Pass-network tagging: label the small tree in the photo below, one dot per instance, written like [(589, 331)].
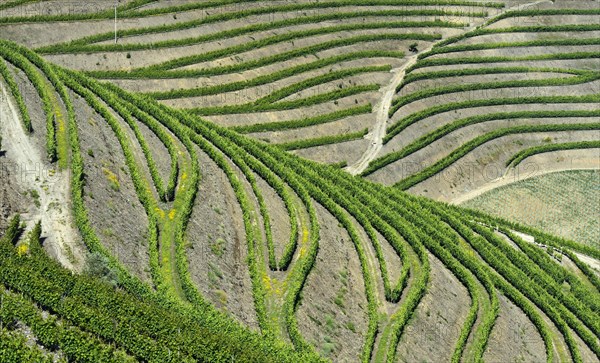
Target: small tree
[(413, 48), (97, 265)]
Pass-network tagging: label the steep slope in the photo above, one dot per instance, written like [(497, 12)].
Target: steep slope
[(184, 212), (480, 252)]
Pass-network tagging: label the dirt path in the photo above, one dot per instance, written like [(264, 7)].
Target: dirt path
[(590, 261), (383, 108), (52, 186), (527, 5), (513, 175)]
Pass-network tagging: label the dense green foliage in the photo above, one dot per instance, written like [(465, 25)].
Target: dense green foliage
[(216, 320), (137, 322)]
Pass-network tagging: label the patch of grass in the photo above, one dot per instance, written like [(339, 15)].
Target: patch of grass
[(113, 179), (222, 297), (214, 275), (328, 346), (339, 298), (69, 253), (344, 276), (217, 247), (108, 232), (350, 326), (36, 197), (329, 323)]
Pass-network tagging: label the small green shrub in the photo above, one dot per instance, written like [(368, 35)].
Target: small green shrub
[(97, 265), (36, 197), (218, 247)]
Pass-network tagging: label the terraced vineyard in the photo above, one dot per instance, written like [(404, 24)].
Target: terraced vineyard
[(475, 102), (160, 202)]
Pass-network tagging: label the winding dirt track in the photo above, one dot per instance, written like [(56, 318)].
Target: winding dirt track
[(383, 108), (52, 186)]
